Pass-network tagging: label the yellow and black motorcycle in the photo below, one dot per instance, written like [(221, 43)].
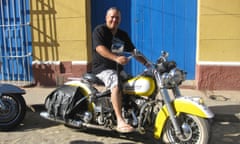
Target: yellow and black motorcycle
[(151, 102)]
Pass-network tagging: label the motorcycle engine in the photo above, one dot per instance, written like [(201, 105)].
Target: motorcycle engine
[(104, 111), (131, 108), (140, 102), (104, 104)]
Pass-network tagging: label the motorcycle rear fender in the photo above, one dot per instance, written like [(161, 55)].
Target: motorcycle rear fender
[(11, 89), (188, 105), (86, 91)]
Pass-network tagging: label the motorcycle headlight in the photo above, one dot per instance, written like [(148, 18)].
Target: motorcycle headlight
[(174, 77)]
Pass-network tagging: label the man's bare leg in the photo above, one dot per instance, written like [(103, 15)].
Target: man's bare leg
[(116, 98)]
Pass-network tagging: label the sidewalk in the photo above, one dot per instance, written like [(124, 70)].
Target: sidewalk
[(224, 104)]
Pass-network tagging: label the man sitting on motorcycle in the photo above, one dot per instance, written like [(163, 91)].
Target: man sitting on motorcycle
[(106, 63)]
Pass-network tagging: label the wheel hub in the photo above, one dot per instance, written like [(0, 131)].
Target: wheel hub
[(9, 112), (186, 132)]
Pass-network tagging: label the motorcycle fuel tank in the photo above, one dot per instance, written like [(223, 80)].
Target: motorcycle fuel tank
[(141, 85)]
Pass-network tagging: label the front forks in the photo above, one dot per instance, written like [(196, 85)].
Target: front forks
[(172, 113)]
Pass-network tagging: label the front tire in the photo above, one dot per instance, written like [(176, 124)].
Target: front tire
[(195, 130), (14, 113)]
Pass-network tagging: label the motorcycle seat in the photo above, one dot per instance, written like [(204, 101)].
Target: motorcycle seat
[(92, 79)]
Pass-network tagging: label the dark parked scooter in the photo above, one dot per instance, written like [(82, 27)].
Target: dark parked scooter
[(12, 106)]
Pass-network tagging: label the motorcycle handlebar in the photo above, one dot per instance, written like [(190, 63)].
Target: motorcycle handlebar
[(137, 53)]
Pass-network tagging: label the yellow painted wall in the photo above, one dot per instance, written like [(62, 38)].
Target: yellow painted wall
[(219, 31), (61, 30)]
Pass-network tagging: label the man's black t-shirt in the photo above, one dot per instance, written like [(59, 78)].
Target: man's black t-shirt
[(103, 36)]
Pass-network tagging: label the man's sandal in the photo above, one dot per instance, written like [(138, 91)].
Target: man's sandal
[(125, 129)]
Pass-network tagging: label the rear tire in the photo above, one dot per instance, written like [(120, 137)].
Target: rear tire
[(196, 130), (14, 113)]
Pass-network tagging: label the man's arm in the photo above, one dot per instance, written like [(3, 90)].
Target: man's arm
[(103, 51), (142, 60)]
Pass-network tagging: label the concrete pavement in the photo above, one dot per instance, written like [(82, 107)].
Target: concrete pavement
[(224, 104)]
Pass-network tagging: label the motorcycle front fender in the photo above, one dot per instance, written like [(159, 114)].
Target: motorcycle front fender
[(188, 105), (11, 89)]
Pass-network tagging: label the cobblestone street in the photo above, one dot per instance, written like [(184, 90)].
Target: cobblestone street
[(36, 130)]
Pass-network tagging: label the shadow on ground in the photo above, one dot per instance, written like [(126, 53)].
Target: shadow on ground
[(225, 127), (225, 133), (33, 120), (135, 136), (226, 113), (85, 142)]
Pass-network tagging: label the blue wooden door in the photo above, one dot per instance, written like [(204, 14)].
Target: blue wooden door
[(168, 25), (15, 41), (156, 25)]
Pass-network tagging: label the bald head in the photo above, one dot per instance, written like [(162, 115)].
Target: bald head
[(113, 9), (113, 18)]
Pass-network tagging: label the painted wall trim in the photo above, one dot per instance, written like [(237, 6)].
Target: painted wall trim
[(219, 63), (79, 62), (58, 62)]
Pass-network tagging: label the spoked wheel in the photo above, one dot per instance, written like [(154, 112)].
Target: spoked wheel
[(195, 130), (13, 112)]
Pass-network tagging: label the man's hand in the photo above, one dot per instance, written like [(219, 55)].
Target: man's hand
[(147, 65), (122, 60)]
